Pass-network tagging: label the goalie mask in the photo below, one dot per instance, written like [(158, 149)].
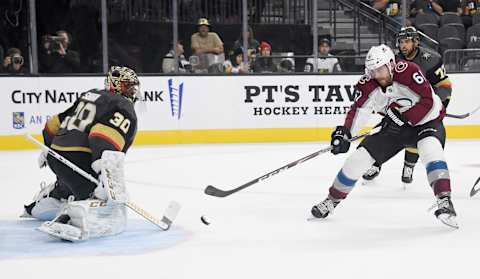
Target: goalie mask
[(123, 81)]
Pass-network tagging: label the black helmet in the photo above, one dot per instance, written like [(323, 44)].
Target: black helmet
[(408, 32)]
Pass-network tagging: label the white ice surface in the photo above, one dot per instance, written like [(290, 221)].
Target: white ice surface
[(380, 231)]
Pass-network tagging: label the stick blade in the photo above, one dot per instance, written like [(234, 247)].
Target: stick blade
[(170, 214), (475, 189), (213, 191)]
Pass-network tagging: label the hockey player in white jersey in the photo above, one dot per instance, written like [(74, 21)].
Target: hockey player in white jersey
[(413, 116)]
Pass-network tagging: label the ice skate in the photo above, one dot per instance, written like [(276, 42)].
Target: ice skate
[(407, 173), (323, 209), (372, 173), (446, 213)]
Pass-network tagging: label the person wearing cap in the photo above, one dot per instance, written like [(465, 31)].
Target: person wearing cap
[(326, 63), (204, 41), (264, 63)]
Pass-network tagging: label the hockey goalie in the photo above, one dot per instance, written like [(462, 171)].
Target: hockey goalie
[(94, 134)]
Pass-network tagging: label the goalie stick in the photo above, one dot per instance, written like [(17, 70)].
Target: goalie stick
[(462, 116), (170, 213), (474, 188), (216, 192)]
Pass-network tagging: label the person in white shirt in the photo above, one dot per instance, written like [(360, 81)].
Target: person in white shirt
[(326, 63), (168, 63)]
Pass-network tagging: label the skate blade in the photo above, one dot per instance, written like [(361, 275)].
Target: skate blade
[(315, 219), (448, 220)]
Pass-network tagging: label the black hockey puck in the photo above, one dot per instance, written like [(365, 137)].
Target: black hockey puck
[(204, 220)]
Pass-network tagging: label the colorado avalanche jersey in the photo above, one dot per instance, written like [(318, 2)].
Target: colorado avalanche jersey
[(410, 93)]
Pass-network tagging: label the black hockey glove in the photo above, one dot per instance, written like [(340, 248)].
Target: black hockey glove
[(393, 123), (446, 102), (340, 138)]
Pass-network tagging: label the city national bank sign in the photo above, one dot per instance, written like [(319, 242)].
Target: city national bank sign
[(33, 108)]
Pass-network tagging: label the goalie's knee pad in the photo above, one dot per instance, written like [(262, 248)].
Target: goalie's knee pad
[(111, 175), (95, 218)]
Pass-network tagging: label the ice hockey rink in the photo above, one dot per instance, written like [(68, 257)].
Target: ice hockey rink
[(381, 231)]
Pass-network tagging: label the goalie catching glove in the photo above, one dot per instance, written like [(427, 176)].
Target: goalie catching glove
[(111, 176)]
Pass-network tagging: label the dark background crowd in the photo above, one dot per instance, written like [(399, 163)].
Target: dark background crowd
[(69, 36)]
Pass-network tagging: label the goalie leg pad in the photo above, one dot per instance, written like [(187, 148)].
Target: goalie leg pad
[(43, 206), (88, 219), (111, 170), (46, 209)]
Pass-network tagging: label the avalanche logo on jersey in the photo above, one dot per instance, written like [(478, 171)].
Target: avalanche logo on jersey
[(176, 97), (18, 121)]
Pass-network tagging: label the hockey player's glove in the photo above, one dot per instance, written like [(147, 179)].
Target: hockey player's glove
[(393, 122), (446, 102), (42, 159), (340, 138)]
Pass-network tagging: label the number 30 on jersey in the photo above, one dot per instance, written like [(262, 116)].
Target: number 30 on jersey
[(120, 121)]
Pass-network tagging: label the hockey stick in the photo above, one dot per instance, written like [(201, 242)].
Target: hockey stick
[(167, 219), (213, 191), (474, 191), (462, 116)]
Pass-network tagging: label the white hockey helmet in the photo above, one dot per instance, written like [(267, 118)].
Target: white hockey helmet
[(378, 56)]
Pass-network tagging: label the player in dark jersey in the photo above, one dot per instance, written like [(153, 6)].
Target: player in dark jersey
[(431, 63), (412, 117), (97, 122)]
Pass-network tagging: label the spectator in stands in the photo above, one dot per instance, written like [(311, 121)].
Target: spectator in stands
[(325, 62), (252, 44), (13, 62), (264, 63), (469, 8), (204, 41), (425, 7), (450, 6), (56, 57), (286, 65), (388, 7), (168, 64), (236, 65)]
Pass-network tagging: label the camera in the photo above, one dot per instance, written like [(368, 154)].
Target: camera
[(17, 60), (53, 42)]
